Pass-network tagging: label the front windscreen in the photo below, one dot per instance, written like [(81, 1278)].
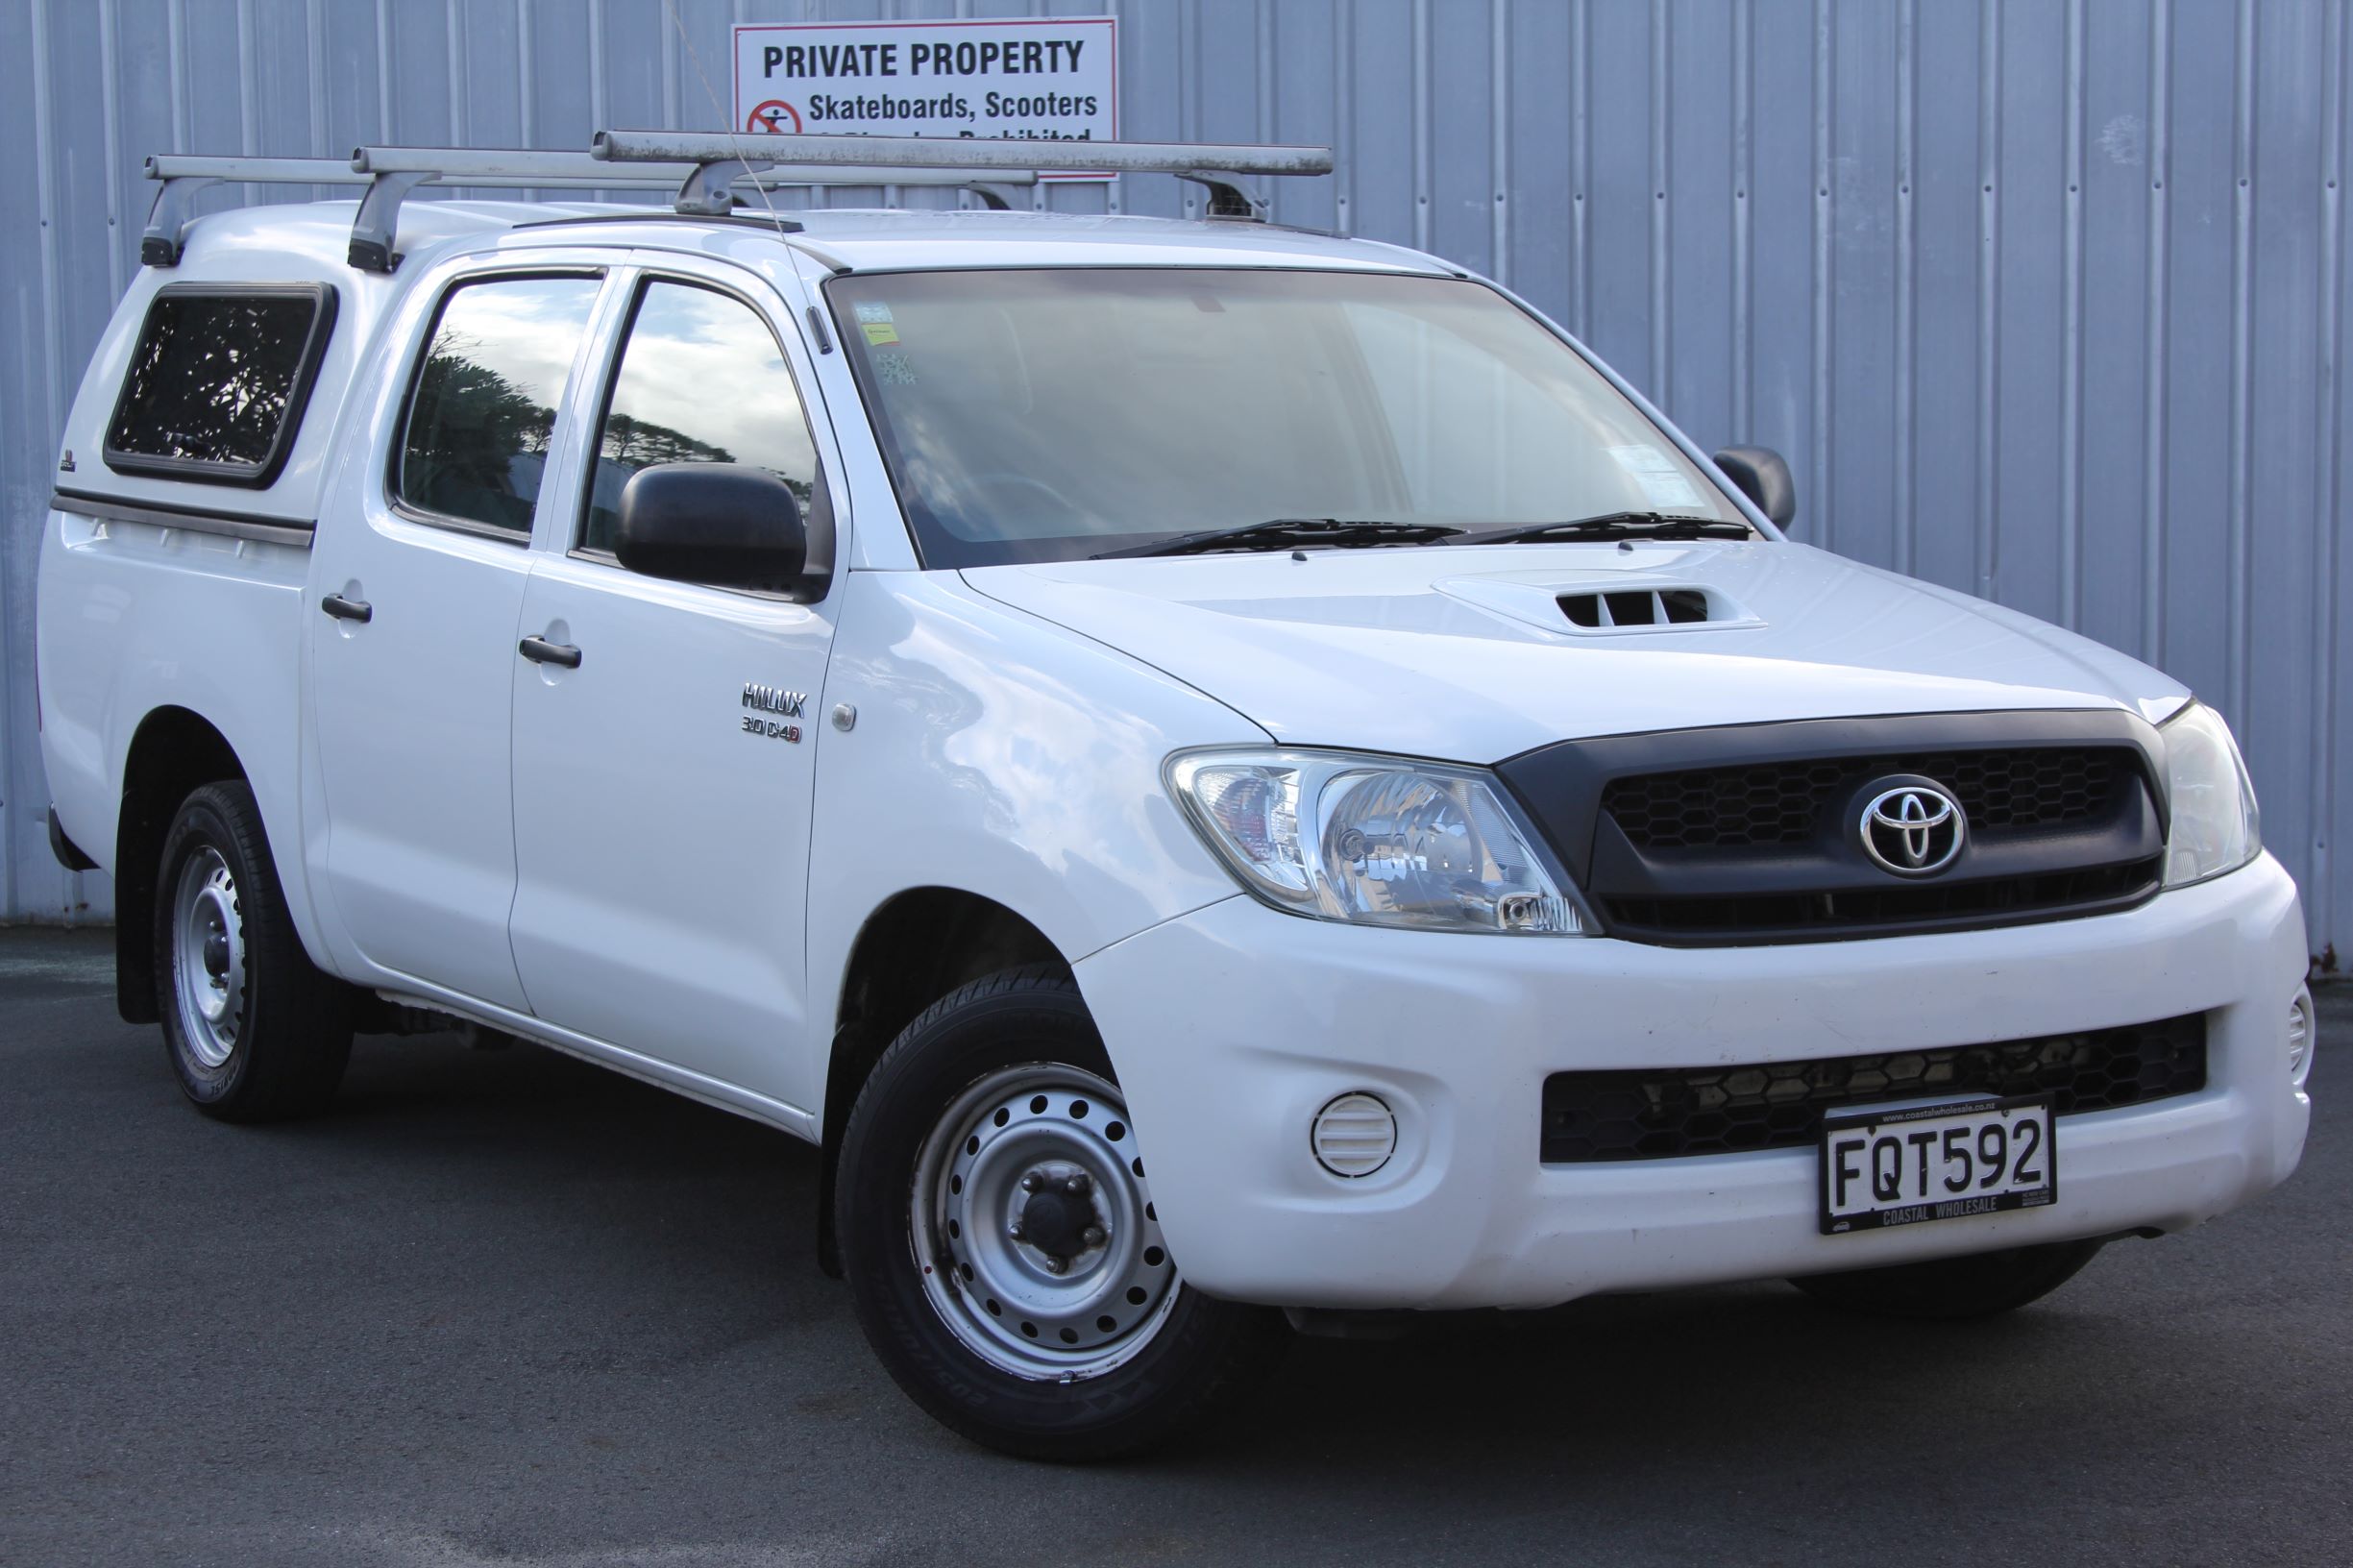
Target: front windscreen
[(1054, 414)]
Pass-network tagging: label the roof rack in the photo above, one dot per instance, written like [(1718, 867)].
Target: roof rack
[(391, 173), (1219, 168), (704, 166)]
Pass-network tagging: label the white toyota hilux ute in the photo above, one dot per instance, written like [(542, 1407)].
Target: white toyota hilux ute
[(1219, 773)]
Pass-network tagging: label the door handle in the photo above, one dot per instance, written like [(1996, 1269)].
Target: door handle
[(540, 650), (348, 609)]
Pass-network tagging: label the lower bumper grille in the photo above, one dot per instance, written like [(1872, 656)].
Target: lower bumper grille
[(1658, 1114)]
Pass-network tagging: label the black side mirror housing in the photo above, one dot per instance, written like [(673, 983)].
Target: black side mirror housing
[(1759, 474), (724, 525)]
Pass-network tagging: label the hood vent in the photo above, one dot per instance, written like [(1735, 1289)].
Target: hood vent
[(1632, 607), (1591, 604)]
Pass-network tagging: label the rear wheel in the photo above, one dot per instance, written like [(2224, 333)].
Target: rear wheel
[(997, 1229), (254, 1030), (1951, 1289)]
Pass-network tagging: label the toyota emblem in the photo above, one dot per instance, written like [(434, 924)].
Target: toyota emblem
[(1912, 828)]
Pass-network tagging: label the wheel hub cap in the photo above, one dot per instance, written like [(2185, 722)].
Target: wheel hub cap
[(1058, 1218), (208, 957), (1035, 1228)]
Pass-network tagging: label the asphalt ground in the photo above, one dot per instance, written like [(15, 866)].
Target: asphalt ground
[(503, 1307)]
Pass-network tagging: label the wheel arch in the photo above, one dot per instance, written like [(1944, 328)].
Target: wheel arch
[(912, 949), (173, 751)]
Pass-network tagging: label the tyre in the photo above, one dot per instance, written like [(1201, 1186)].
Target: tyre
[(1951, 1289), (996, 1227), (254, 1030)]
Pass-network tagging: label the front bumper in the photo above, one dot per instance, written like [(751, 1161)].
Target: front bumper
[(1230, 1027)]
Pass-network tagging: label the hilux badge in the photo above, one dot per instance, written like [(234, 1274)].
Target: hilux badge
[(1913, 828), (775, 700)]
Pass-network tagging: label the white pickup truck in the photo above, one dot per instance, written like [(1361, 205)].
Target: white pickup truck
[(1219, 773)]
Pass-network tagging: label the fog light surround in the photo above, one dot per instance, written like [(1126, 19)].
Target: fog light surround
[(1353, 1134)]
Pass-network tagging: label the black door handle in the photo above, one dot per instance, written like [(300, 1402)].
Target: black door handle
[(540, 650), (348, 609)]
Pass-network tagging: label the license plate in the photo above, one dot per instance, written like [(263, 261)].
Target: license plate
[(1937, 1162)]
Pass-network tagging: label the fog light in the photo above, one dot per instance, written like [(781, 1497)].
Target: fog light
[(2299, 1038), (1353, 1134)]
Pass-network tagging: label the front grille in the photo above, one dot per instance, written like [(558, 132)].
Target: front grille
[(1789, 802), (1658, 1114), (1751, 834), (1883, 909)]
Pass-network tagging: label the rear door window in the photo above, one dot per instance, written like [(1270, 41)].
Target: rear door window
[(481, 414), (218, 381)]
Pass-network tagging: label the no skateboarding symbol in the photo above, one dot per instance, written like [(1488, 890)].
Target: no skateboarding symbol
[(773, 116)]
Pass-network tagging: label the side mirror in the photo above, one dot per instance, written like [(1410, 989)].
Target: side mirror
[(725, 525), (1759, 474)]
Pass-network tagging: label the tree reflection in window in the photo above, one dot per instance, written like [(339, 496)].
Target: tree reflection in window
[(701, 381), (212, 381), (484, 409)]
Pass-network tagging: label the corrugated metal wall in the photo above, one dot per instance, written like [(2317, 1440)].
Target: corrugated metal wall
[(2045, 299)]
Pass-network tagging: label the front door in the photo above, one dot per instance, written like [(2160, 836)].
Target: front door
[(415, 601), (663, 783)]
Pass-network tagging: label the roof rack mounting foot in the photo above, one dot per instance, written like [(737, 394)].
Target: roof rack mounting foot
[(167, 221), (379, 220), (705, 194), (1228, 196), (995, 197)]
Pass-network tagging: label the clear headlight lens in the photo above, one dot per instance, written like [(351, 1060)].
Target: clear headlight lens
[(1340, 836), (2216, 828)]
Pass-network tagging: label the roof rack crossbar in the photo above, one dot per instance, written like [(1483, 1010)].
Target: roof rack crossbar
[(1218, 168), (532, 168), (957, 153)]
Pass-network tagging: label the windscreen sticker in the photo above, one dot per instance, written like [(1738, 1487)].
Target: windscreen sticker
[(874, 312), (891, 369), (878, 332), (1663, 483)]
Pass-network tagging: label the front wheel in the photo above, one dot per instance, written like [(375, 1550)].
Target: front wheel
[(1951, 1289), (997, 1229)]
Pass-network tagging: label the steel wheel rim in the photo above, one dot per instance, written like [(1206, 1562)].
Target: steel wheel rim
[(989, 1277), (208, 957)]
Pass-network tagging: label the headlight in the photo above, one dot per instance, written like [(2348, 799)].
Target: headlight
[(2215, 827), (1374, 840)]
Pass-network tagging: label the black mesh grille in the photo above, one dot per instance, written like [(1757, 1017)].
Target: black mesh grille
[(1659, 1114), (1885, 908), (1788, 802)]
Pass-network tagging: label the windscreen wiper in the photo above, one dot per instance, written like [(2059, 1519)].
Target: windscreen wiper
[(1283, 532), (1613, 525)]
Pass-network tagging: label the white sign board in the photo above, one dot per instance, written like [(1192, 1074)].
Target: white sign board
[(1034, 79)]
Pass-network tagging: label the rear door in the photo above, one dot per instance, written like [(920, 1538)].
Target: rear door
[(663, 785), (416, 601)]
